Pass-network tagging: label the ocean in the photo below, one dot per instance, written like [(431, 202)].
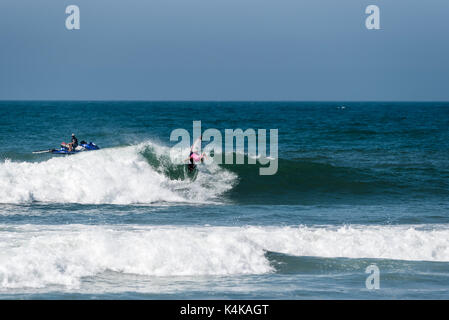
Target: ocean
[(359, 184)]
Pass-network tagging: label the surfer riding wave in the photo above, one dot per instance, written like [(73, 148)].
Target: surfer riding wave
[(194, 156)]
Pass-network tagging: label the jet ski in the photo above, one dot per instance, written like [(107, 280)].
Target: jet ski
[(64, 148), (83, 146)]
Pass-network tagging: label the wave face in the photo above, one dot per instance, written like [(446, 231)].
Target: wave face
[(37, 256), (298, 181), (126, 175), (145, 173), (305, 181)]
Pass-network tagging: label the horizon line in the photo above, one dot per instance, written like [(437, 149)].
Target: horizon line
[(212, 100)]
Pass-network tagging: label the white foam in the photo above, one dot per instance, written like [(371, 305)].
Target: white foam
[(108, 176), (34, 256), (37, 256), (386, 242)]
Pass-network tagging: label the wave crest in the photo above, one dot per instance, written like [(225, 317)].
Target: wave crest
[(126, 175)]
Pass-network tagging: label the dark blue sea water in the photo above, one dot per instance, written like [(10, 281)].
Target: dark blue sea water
[(358, 184)]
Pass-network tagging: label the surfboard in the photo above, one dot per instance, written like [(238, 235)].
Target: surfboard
[(43, 151), (191, 172), (196, 147)]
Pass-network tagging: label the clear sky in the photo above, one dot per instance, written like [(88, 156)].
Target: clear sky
[(224, 50)]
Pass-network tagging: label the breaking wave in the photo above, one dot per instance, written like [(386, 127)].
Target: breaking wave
[(42, 255), (142, 174)]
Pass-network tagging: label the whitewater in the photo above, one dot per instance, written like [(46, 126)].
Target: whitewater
[(108, 176), (36, 256)]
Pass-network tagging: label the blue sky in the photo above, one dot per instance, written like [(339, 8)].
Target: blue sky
[(224, 50)]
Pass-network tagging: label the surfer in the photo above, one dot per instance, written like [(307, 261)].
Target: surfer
[(194, 156), (72, 145)]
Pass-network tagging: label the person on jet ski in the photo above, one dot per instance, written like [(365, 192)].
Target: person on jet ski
[(72, 145)]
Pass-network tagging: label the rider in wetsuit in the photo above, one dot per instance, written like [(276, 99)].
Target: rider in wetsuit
[(191, 165), (72, 145), (195, 157)]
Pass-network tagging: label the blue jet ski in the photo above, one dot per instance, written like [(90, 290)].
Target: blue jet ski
[(64, 149)]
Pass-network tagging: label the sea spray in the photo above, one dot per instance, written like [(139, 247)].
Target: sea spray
[(109, 176)]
